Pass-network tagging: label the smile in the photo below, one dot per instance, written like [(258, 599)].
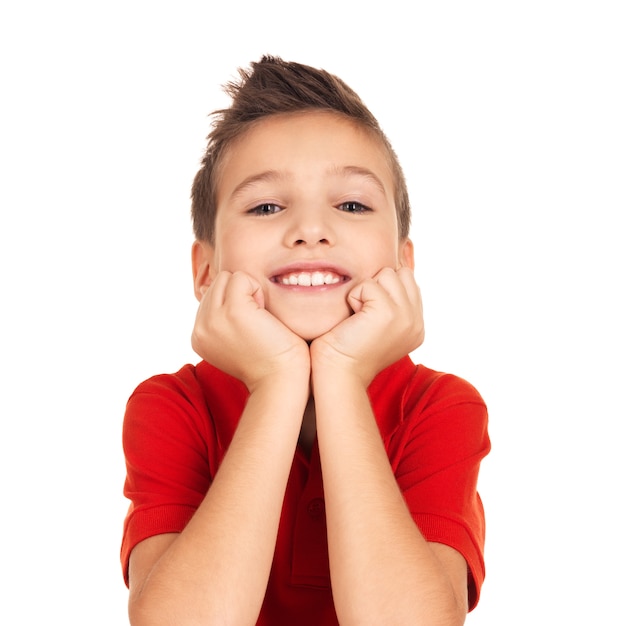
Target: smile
[(309, 279)]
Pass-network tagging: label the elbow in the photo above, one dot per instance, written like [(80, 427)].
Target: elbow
[(139, 615), (451, 613), (147, 614), (439, 615)]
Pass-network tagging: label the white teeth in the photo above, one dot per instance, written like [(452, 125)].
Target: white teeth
[(308, 279), (317, 278)]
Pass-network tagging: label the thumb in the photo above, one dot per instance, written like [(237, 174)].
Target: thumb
[(257, 295), (253, 289), (357, 297)]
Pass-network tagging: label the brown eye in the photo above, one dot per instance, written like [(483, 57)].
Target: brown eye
[(353, 207), (265, 209)]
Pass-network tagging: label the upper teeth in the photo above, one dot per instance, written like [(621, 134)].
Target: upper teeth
[(310, 279)]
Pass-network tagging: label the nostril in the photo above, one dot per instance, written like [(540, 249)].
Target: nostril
[(303, 242)]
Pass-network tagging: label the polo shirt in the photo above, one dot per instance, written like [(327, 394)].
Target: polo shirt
[(177, 428)]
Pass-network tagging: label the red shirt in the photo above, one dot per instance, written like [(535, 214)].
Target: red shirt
[(434, 426)]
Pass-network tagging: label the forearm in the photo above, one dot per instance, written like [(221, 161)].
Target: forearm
[(216, 570), (382, 569)]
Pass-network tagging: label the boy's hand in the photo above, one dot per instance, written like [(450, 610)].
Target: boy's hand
[(234, 332), (387, 324)]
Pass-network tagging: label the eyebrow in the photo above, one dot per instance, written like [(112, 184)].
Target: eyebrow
[(354, 170), (255, 179), (344, 171)]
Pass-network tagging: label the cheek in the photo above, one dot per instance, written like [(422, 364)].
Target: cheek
[(227, 251), (381, 253), (240, 253)]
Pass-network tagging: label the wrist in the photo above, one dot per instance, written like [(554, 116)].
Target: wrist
[(338, 377), (329, 366), (282, 381), (290, 369)]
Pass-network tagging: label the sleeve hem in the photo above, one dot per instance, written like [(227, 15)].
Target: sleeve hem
[(143, 523), (443, 530)]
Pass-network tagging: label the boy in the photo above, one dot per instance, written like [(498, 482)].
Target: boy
[(305, 471)]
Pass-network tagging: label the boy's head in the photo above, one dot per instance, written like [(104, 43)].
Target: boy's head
[(271, 87), (300, 191)]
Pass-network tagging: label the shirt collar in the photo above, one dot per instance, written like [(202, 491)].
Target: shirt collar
[(226, 397)]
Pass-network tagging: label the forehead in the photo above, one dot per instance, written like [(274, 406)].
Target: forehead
[(308, 141)]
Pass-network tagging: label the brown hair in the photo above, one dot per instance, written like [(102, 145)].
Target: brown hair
[(272, 86)]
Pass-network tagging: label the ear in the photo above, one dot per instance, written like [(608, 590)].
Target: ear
[(406, 254), (201, 265)]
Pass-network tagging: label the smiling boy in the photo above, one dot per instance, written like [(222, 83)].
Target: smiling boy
[(305, 471)]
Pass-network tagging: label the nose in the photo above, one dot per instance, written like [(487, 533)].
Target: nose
[(310, 226)]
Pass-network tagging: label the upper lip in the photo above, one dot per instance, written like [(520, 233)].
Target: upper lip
[(310, 267)]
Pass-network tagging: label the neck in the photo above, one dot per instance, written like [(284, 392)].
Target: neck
[(308, 429)]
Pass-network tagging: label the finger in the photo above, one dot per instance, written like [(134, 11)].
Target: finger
[(403, 291), (397, 285), (407, 278), (401, 286), (365, 292), (216, 290), (242, 288), (414, 295)]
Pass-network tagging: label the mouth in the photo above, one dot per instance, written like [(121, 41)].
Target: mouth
[(303, 277)]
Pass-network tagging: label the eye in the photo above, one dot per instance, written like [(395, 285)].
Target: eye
[(353, 207), (266, 208)]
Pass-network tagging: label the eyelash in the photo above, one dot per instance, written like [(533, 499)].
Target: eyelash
[(262, 209), (357, 207), (269, 208)]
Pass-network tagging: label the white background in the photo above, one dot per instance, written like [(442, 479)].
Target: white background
[(509, 120)]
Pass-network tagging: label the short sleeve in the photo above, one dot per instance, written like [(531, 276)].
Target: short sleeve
[(440, 447), (168, 468)]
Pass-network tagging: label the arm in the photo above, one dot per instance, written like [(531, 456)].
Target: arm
[(382, 569), (203, 575)]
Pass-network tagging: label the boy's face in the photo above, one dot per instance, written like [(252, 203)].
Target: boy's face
[(306, 207)]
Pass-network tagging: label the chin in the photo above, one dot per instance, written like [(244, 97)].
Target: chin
[(313, 329)]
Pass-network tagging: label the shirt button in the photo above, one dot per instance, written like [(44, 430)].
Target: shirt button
[(316, 508)]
